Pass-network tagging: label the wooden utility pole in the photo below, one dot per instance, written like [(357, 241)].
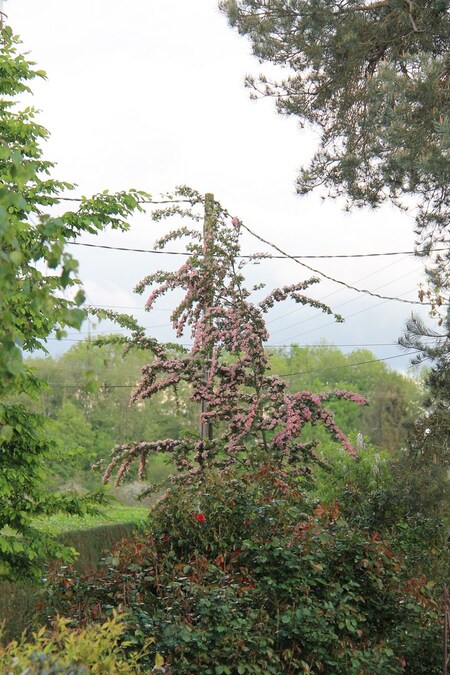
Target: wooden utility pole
[(206, 429)]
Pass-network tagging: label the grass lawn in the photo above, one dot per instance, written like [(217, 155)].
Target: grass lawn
[(60, 523)]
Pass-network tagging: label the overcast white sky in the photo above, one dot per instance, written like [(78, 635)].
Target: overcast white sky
[(149, 94)]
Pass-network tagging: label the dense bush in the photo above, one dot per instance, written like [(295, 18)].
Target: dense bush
[(243, 573), (404, 500)]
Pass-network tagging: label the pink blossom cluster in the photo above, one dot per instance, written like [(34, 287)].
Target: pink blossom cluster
[(280, 294)]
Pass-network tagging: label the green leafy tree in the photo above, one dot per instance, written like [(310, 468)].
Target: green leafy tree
[(88, 395), (372, 78), (75, 440), (425, 466), (40, 294)]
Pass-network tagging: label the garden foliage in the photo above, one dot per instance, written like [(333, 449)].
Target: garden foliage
[(63, 651), (240, 572), (404, 501)]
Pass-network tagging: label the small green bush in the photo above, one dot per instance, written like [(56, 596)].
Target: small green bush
[(241, 573), (96, 649)]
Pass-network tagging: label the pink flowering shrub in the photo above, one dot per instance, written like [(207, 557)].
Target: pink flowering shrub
[(245, 409)]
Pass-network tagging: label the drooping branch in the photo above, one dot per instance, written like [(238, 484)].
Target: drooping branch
[(228, 368)]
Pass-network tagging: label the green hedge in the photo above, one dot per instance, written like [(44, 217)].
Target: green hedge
[(18, 601)]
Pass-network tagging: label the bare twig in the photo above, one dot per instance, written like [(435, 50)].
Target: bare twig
[(369, 8), (413, 23)]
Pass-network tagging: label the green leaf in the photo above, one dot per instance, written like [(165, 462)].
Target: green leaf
[(159, 660), (6, 433), (16, 257)]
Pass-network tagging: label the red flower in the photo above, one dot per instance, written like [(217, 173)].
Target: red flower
[(200, 518)]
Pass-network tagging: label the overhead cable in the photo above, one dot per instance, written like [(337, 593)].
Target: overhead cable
[(268, 346), (326, 276), (264, 256), (332, 323), (305, 372), (142, 308), (339, 290), (348, 365)]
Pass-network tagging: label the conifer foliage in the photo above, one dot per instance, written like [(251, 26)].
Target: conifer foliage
[(372, 78), (430, 434)]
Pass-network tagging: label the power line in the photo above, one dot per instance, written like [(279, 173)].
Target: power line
[(332, 323), (339, 290), (329, 323), (133, 250), (81, 386), (262, 255), (326, 276), (268, 346), (142, 308), (324, 346), (349, 365), (342, 304), (117, 330), (305, 372)]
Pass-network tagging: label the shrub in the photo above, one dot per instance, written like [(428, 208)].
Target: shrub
[(405, 501), (240, 572), (95, 649)]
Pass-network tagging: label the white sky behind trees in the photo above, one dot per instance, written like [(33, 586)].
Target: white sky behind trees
[(149, 94)]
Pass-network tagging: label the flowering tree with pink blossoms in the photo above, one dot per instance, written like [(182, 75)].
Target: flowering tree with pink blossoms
[(227, 369)]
